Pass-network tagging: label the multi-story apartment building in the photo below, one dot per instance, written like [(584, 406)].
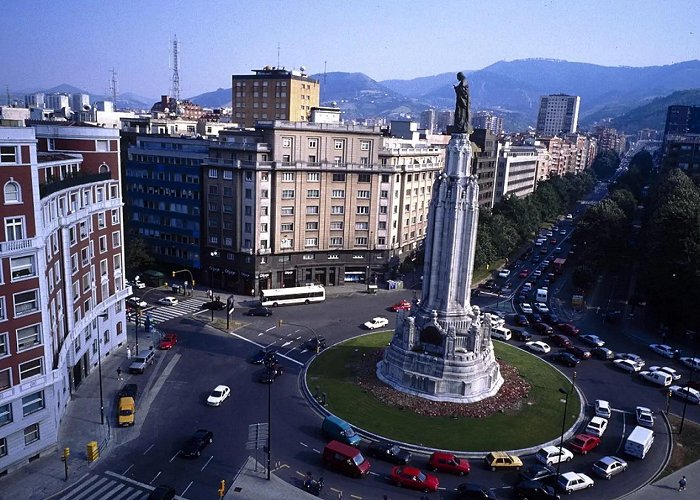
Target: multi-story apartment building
[(489, 121), (273, 94), (517, 169), (313, 202), (558, 114), (682, 120), (609, 139), (428, 121), (61, 264), (485, 164), (163, 191), (57, 101), (36, 100), (683, 151)]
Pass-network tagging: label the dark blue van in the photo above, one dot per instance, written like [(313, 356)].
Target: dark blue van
[(338, 429)]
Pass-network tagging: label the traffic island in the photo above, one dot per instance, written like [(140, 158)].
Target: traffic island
[(525, 413)]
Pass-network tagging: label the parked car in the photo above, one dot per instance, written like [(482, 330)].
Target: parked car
[(543, 328), (559, 340), (583, 443), (602, 408), (523, 273), (168, 301), (688, 393), (566, 359), (541, 307), (526, 308), (693, 363), (665, 350), (592, 340), (168, 341), (218, 395), (534, 490), (666, 369), (260, 311), (602, 353), (631, 357), (657, 377), (504, 273), (645, 417), (538, 346), (412, 477), (550, 455), (375, 323), (574, 481), (521, 335), (447, 462), (538, 472), (474, 491), (521, 320), (579, 352), (402, 305), (596, 426), (627, 365), (568, 329), (609, 466), (388, 451), (502, 460), (199, 440)]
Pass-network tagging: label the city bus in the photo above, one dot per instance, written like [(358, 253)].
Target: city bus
[(293, 295)]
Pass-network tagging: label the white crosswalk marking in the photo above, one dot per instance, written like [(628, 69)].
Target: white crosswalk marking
[(160, 314), (103, 488)]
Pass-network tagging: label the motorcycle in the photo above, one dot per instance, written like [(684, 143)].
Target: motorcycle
[(313, 486)]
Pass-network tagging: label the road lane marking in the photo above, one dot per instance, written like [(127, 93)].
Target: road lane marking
[(261, 333), (271, 328), (127, 469), (204, 466), (286, 343), (241, 337), (155, 478), (188, 487), (175, 455), (149, 448), (304, 444)]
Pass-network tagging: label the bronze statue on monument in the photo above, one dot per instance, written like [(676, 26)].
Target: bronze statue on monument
[(461, 123)]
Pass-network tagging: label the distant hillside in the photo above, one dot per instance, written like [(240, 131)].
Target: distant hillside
[(653, 114), (219, 98)]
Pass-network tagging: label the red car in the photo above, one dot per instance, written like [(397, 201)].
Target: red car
[(447, 462), (560, 341), (404, 305), (411, 477), (583, 443), (524, 273), (168, 341), (543, 328), (568, 329)]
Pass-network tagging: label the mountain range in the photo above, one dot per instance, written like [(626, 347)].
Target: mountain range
[(632, 97)]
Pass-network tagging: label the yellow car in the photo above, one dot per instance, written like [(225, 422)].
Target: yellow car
[(503, 460)]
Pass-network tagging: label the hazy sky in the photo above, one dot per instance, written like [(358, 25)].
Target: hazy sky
[(47, 42)]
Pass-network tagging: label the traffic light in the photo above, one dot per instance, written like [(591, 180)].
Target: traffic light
[(173, 274), (66, 454)]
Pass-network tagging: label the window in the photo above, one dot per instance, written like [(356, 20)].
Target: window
[(362, 210), (31, 433), (74, 263), (247, 227), (103, 244), (5, 379), (22, 267), (311, 242), (213, 173), (313, 193), (381, 240), (336, 241), (364, 178), (339, 144), (26, 302), (364, 145), (264, 194), (31, 369), (101, 224), (312, 226), (13, 193), (115, 216), (228, 175), (363, 194), (4, 346), (384, 194), (313, 143), (287, 211), (313, 176), (361, 241), (288, 176), (103, 267), (116, 240), (286, 142), (5, 418), (338, 193), (33, 403), (383, 209), (337, 209), (287, 194), (312, 209), (14, 228), (308, 256), (338, 177), (336, 225), (333, 256), (101, 145), (362, 226), (8, 154)]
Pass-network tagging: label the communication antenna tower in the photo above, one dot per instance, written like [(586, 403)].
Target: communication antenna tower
[(113, 87), (278, 55), (175, 90)]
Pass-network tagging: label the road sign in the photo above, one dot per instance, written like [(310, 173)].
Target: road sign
[(257, 436)]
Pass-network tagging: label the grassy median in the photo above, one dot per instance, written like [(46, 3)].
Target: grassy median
[(538, 419)]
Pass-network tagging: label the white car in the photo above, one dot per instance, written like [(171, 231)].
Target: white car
[(597, 426), (688, 393), (666, 369), (602, 408), (375, 323), (136, 302), (549, 455), (218, 395), (631, 357), (593, 340), (627, 365), (136, 284), (541, 307), (693, 363), (645, 416), (496, 321), (504, 273), (664, 350), (538, 346), (527, 287), (609, 466), (168, 301), (526, 308), (574, 481)]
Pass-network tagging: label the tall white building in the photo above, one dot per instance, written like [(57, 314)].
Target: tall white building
[(558, 114)]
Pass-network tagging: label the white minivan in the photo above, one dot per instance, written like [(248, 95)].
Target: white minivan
[(501, 333), (639, 442), (541, 295)]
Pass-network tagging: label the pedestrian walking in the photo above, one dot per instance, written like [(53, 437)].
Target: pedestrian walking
[(119, 373), (682, 483), (128, 352)]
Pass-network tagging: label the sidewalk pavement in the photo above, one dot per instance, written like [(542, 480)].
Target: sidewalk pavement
[(251, 484), (667, 487)]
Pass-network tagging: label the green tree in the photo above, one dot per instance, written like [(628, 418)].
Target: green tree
[(601, 234), (136, 254), (626, 201), (605, 164)]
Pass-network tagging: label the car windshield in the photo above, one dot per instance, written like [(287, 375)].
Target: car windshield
[(394, 450), (125, 412), (348, 433), (358, 459), (216, 394), (420, 477)]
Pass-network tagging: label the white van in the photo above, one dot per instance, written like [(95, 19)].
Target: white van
[(639, 442), (501, 333), (541, 295)]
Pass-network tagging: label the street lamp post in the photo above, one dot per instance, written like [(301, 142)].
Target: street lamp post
[(563, 420)]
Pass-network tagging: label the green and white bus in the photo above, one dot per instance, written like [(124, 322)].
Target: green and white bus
[(274, 297)]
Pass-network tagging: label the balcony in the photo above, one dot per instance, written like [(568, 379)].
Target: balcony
[(7, 247), (71, 180)]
